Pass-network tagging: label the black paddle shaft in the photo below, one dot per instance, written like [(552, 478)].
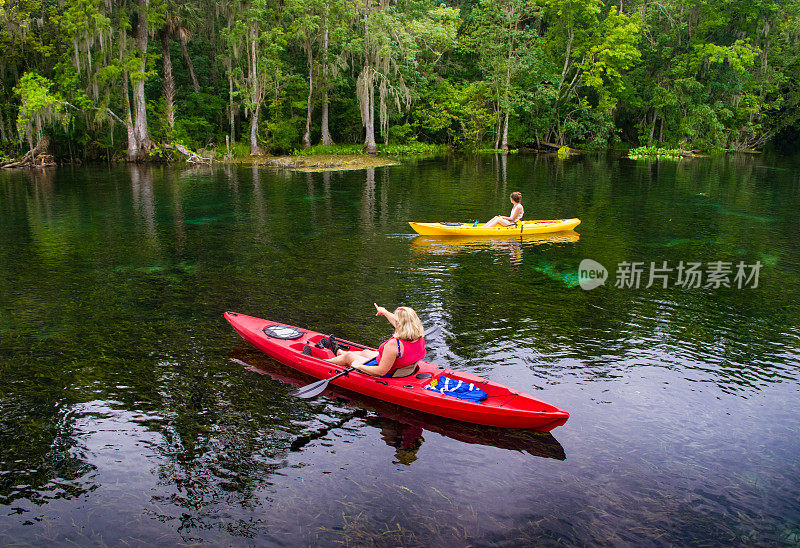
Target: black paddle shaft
[(316, 388)]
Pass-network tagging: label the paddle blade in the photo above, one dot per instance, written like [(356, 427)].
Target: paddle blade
[(311, 390), (316, 388), (432, 332)]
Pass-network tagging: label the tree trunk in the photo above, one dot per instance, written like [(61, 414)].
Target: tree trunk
[(3, 137), (498, 127), (255, 149), (566, 60), (326, 134), (169, 83), (369, 140), (509, 59), (307, 135), (369, 81), (142, 139), (231, 113), (504, 144), (652, 129), (133, 147), (37, 156), (189, 63)]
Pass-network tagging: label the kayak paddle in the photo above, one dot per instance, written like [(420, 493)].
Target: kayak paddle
[(316, 388)]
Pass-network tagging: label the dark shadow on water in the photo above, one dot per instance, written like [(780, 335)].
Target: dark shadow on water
[(401, 428)]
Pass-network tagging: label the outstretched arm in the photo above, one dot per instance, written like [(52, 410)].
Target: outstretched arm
[(389, 315)]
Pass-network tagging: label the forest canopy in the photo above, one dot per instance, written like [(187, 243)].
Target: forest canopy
[(122, 79)]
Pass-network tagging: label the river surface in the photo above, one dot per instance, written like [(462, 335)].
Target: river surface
[(132, 414)]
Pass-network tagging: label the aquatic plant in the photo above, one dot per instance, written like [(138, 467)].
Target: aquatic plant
[(409, 149), (640, 153), (498, 151)]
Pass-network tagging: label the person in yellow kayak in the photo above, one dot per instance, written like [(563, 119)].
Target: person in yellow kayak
[(396, 357), (516, 213)]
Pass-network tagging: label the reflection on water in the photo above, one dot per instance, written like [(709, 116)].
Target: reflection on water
[(512, 246), (403, 428), (123, 421), (143, 198)]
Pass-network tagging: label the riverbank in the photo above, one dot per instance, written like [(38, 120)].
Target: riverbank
[(307, 163), (321, 162), (318, 158), (344, 157)]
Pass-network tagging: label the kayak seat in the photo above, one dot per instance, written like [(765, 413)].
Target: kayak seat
[(406, 371)]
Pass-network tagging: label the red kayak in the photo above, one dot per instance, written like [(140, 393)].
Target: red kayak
[(301, 349), (395, 418)]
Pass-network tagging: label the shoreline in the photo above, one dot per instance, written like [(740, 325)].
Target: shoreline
[(304, 163), (318, 162)]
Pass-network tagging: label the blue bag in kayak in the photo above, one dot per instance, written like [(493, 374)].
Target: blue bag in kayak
[(457, 389)]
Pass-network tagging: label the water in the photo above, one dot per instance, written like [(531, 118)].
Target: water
[(130, 412)]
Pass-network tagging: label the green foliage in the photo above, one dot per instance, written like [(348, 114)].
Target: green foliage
[(334, 149), (474, 114), (194, 131), (240, 149), (641, 153), (280, 136), (402, 134), (497, 151), (583, 73), (614, 52), (38, 106), (157, 153), (412, 149)]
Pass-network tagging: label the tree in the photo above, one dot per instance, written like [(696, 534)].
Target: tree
[(503, 35), (38, 107), (255, 38)]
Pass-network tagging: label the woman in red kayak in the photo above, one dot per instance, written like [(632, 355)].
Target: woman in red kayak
[(398, 356), (516, 213)]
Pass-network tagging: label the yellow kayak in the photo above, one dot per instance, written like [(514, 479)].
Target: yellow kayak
[(468, 229), (439, 244)]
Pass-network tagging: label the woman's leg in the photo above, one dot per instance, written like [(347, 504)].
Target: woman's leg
[(349, 358), (497, 220)]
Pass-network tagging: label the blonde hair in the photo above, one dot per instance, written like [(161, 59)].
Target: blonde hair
[(408, 327)]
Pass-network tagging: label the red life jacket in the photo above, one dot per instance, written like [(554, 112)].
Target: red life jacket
[(414, 351)]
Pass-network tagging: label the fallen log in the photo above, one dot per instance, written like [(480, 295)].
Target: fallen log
[(36, 157), (191, 157), (550, 145)]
